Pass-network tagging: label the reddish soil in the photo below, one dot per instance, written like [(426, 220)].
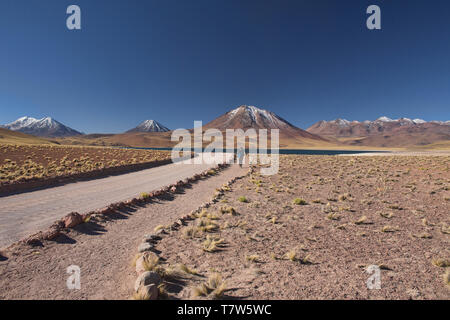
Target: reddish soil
[(103, 248), (29, 166), (405, 201)]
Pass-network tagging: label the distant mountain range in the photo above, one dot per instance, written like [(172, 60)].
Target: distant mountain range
[(150, 126), (383, 132), (45, 127), (345, 128), (51, 128)]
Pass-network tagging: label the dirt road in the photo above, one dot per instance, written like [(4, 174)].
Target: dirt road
[(27, 213), (102, 250)]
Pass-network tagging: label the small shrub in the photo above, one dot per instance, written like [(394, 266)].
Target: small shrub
[(291, 255), (361, 220), (333, 216), (228, 209), (441, 262), (388, 229), (242, 199), (252, 258), (145, 196), (387, 215), (188, 270), (299, 202), (212, 244), (213, 285), (446, 277), (425, 235)]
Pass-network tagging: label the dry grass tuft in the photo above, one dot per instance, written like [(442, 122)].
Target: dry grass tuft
[(362, 220), (242, 199), (228, 209), (291, 255), (445, 229), (299, 201), (252, 258), (212, 244), (214, 285), (446, 277), (151, 263), (441, 262), (191, 232), (387, 215), (424, 235), (188, 270), (201, 290), (333, 216), (135, 259), (389, 229)]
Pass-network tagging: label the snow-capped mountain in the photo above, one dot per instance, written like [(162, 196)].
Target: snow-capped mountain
[(149, 126), (45, 127), (383, 125), (245, 117)]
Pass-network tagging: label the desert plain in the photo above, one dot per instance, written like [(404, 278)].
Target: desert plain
[(308, 232)]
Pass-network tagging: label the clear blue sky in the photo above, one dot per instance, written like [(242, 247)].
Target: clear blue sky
[(185, 60)]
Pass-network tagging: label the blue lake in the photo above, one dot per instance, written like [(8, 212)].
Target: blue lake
[(289, 151)]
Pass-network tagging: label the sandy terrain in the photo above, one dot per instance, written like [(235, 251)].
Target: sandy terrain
[(103, 249), (311, 231)]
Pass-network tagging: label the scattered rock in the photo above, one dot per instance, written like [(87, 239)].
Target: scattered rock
[(51, 234), (103, 211), (33, 240), (3, 257), (145, 246), (135, 201), (141, 261), (159, 232), (72, 219), (58, 225), (173, 189), (149, 292), (151, 238), (147, 278), (140, 265)]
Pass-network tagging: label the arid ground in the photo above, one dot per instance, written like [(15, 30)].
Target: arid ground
[(308, 232), (21, 163), (103, 248), (311, 231)]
